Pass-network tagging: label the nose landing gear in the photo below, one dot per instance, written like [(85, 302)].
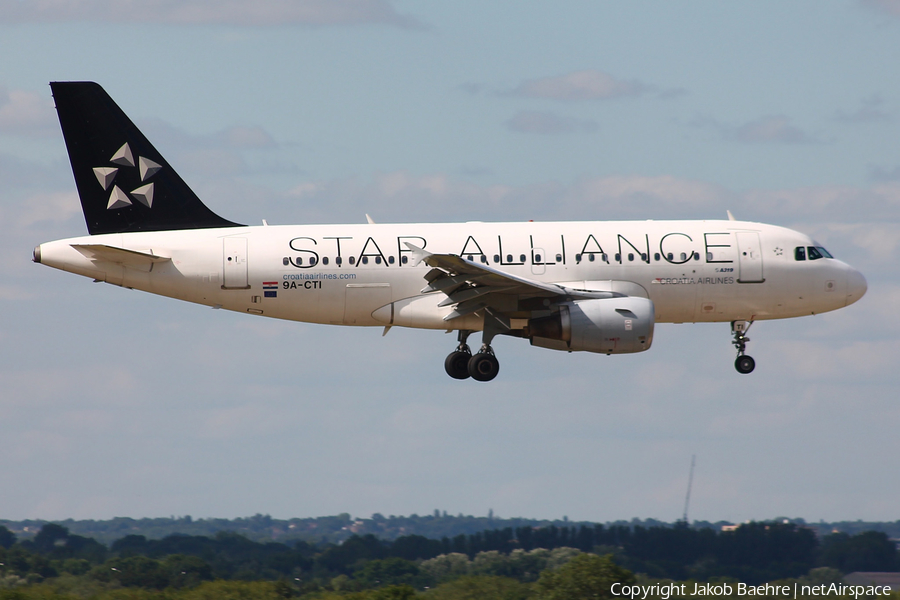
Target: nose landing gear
[(743, 363)]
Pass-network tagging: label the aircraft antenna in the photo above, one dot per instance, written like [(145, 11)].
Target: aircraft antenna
[(687, 498)]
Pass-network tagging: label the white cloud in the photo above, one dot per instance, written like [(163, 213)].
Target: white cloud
[(237, 136), (881, 241), (204, 12), (769, 129), (885, 174), (246, 137), (50, 206), (213, 155), (14, 293), (403, 196), (891, 7), (870, 111), (825, 362), (773, 128), (646, 191), (26, 113), (580, 85), (547, 123), (836, 202), (247, 420)]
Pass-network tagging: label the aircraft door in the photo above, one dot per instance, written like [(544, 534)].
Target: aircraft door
[(750, 262), (235, 264), (538, 261)]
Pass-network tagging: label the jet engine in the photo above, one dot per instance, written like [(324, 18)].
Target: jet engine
[(607, 325)]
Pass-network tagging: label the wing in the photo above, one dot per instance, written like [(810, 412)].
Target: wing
[(472, 286)]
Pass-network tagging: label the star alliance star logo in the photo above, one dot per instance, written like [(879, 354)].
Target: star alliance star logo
[(107, 175), (778, 251)]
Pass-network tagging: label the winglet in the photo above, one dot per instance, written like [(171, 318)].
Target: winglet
[(370, 219), (419, 254), (730, 216)]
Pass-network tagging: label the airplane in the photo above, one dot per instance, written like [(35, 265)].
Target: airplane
[(597, 286)]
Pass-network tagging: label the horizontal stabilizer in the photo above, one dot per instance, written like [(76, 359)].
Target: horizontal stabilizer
[(120, 256)]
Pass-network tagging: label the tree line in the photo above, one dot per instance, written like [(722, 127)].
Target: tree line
[(518, 558), (337, 528)]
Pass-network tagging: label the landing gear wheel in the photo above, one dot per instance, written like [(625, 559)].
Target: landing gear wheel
[(483, 366), (457, 364), (744, 364)]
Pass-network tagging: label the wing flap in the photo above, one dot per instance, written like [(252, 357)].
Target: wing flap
[(454, 275)]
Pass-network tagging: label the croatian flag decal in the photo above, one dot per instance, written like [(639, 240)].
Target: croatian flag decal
[(270, 289)]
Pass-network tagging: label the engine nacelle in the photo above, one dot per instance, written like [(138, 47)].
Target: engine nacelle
[(607, 325)]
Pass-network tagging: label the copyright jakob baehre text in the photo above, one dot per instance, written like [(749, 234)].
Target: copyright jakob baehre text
[(672, 590)]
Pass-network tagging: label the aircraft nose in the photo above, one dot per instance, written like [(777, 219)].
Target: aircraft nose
[(856, 286)]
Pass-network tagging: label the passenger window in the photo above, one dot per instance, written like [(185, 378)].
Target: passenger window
[(299, 260), (631, 256), (496, 258), (656, 256), (352, 260), (509, 258), (591, 257), (324, 260), (470, 259), (618, 257), (537, 258), (813, 253), (312, 261), (577, 258), (604, 258), (670, 256), (377, 260), (521, 258), (644, 256), (286, 261), (683, 256), (404, 260), (338, 260), (390, 260), (484, 259), (709, 257), (696, 256), (365, 260), (799, 253), (559, 258)]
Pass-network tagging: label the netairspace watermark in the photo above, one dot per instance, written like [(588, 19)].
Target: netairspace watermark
[(675, 590)]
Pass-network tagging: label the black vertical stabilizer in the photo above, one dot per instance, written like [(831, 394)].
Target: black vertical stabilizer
[(123, 182)]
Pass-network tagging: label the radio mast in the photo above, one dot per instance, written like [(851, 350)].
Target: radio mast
[(687, 498)]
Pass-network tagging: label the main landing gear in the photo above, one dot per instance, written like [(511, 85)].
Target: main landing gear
[(743, 363), (462, 364)]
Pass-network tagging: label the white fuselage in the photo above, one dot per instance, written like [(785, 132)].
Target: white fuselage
[(693, 271)]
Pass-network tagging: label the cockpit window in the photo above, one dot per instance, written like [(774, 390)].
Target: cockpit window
[(799, 253), (816, 252)]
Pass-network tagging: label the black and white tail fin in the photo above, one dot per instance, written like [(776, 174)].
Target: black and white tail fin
[(123, 182)]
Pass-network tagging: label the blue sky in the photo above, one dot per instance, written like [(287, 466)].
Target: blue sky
[(114, 402)]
